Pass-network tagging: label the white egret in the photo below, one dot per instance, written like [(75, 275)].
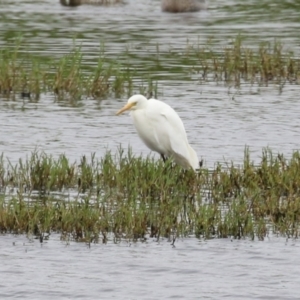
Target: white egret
[(161, 129)]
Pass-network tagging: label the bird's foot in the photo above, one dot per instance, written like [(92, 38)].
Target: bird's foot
[(163, 157)]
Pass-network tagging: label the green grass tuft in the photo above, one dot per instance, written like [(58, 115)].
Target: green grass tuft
[(128, 197)]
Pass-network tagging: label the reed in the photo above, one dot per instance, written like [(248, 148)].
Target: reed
[(235, 64), (71, 77), (127, 197), (67, 78)]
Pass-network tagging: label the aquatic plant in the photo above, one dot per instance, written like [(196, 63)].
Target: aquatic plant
[(134, 198), (73, 77), (68, 78), (235, 64)]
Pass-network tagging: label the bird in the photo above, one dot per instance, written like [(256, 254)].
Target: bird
[(161, 129), (95, 2), (180, 6)]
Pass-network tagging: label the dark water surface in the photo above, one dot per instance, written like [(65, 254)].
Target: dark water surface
[(220, 121)]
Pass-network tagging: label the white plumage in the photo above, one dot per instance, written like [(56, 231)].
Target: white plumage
[(161, 129)]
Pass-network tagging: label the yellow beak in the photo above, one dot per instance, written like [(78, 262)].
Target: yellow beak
[(124, 108)]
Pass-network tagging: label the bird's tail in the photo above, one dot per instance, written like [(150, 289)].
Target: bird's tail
[(194, 161)]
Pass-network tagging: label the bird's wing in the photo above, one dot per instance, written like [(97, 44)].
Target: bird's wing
[(168, 128)]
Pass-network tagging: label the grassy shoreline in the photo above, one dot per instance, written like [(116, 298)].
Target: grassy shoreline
[(132, 198), (72, 77)]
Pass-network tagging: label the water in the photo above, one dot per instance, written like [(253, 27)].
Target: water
[(219, 120), (215, 269), (218, 126)]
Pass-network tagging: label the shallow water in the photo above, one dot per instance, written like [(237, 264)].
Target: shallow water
[(219, 120), (194, 269), (218, 126)]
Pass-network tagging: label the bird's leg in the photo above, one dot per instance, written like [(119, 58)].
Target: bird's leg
[(163, 157), (201, 163)]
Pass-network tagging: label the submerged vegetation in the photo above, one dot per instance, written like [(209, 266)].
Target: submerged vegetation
[(126, 197), (72, 77)]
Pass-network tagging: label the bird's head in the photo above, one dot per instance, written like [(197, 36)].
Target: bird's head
[(133, 103)]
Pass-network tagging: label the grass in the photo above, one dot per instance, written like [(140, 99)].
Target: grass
[(67, 78), (126, 197), (236, 63), (72, 77)]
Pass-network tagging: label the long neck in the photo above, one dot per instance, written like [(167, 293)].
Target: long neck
[(142, 104)]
